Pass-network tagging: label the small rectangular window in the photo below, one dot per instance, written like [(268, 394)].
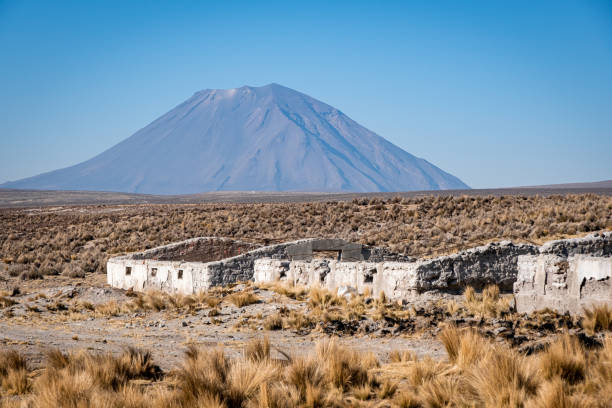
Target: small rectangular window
[(128, 270), (180, 274), (153, 271)]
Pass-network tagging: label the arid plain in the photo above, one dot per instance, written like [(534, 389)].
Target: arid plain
[(70, 340)]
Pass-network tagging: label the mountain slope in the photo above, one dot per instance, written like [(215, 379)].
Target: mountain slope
[(251, 138)]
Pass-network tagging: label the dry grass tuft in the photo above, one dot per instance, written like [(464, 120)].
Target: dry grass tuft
[(464, 347), (487, 304), (597, 318), (307, 376), (321, 298), (273, 322), (6, 301), (553, 394), (502, 377), (564, 359), (481, 374), (258, 349), (402, 356), (344, 368), (13, 373), (407, 399), (291, 291), (244, 298)]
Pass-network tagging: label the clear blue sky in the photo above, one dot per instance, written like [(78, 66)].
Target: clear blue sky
[(498, 93)]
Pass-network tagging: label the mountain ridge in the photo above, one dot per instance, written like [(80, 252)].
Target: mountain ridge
[(268, 138)]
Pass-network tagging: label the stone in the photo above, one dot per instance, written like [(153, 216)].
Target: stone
[(563, 284), (346, 291), (201, 263), (564, 275)]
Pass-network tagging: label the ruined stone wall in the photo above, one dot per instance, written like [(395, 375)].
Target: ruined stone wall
[(179, 273), (202, 249), (597, 244), (241, 268), (564, 284), (494, 263), (184, 277), (398, 276), (567, 275), (143, 275), (375, 254)]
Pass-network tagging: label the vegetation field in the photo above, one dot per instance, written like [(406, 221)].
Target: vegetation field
[(68, 340), (77, 240)]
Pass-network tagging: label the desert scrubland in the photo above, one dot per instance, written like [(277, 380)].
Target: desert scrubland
[(77, 240), (67, 339)]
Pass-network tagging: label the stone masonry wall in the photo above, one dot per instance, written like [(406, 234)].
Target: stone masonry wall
[(564, 284), (567, 275), (597, 244), (184, 266), (495, 263), (202, 249), (399, 277)]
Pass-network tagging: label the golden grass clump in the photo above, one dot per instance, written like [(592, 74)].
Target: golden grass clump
[(478, 373), (404, 356), (306, 375), (298, 320), (502, 378), (13, 373), (321, 298), (463, 346), (296, 292), (597, 318), (273, 322), (243, 298), (489, 303), (258, 349), (83, 379), (564, 359), (156, 301), (6, 301), (344, 368)]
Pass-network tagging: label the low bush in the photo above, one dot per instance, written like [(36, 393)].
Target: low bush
[(243, 298), (597, 318), (478, 374)]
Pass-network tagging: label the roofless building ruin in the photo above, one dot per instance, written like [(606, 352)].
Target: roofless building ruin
[(566, 275)]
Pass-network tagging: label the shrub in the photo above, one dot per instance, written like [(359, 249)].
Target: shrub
[(73, 270), (258, 349), (31, 274), (244, 298), (564, 359), (13, 373), (273, 322), (597, 318)]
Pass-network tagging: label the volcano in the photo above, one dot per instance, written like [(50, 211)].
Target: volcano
[(268, 138)]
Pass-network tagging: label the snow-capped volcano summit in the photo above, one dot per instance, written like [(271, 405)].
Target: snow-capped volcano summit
[(251, 138)]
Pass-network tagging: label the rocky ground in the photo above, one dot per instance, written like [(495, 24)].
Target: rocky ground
[(74, 313), (35, 323)]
